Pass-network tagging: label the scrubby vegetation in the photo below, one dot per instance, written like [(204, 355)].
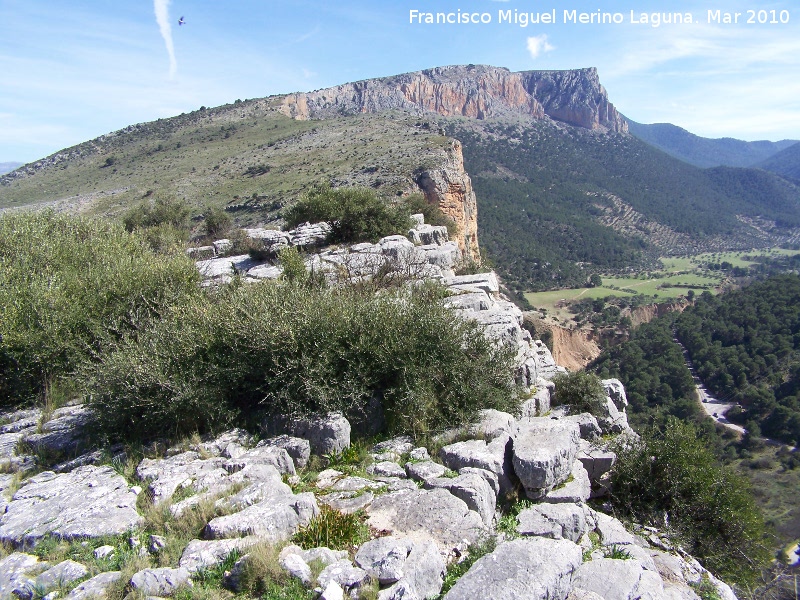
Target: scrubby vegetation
[(581, 391), (671, 479), (746, 348), (70, 289)]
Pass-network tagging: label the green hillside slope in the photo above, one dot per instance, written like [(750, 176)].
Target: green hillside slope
[(785, 163)]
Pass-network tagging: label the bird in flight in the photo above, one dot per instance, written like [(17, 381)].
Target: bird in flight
[(181, 21)]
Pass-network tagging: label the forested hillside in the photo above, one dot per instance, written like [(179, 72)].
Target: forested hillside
[(542, 188), (746, 348)]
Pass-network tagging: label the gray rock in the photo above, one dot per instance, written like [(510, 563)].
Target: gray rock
[(298, 448), (596, 461), (492, 424), (610, 578), (387, 469), (327, 478), (539, 404), (401, 590), (556, 521), (160, 582), (355, 484), (182, 470), (425, 470), (616, 391), (327, 434), (103, 551), (96, 587), (395, 447), (426, 514), (332, 591), (347, 502), (424, 570), (612, 532), (473, 489), (274, 519), (486, 282), (419, 454), (579, 594), (63, 433), (383, 558), (473, 301), (63, 573), (89, 502), (490, 477), (157, 543), (535, 569), (201, 252), (13, 569), (349, 577), (496, 457), (263, 455), (18, 420), (202, 554), (590, 430), (324, 556), (221, 444), (544, 452), (220, 267), (577, 491), (611, 419), (297, 567)]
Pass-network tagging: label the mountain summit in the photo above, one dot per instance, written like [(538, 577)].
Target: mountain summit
[(478, 91)]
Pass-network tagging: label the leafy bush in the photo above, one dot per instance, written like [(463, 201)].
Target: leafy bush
[(162, 209), (672, 476), (582, 391), (416, 203), (294, 349), (69, 289), (217, 221), (355, 214)]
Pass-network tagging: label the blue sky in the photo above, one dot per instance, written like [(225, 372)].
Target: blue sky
[(73, 70)]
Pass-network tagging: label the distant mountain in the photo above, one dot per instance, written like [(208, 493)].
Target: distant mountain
[(563, 190), (705, 152), (785, 163), (7, 167)]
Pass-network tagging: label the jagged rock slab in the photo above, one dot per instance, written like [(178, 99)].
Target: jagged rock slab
[(426, 514), (577, 491), (492, 424), (612, 532), (63, 433), (327, 434), (556, 521), (494, 457), (298, 448), (473, 489), (534, 569), (89, 502), (349, 577), (219, 267), (383, 558), (590, 430), (63, 573), (202, 554), (387, 469), (182, 470), (348, 502), (544, 452), (274, 519), (596, 461), (425, 470), (160, 582), (615, 579), (13, 569), (96, 587), (264, 455)]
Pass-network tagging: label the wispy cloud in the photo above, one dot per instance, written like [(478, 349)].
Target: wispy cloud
[(538, 45), (162, 18)]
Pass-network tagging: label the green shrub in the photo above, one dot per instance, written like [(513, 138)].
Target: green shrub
[(158, 211), (284, 348), (217, 222), (581, 391), (416, 203), (334, 530), (670, 475), (355, 214), (70, 289)]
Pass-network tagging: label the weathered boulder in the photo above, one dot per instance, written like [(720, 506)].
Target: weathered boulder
[(89, 502), (615, 579), (333, 591), (327, 434), (587, 422), (539, 403), (348, 502), (263, 455), (64, 433), (544, 452), (13, 572), (531, 568), (96, 587), (202, 554), (182, 470), (612, 532), (160, 582), (556, 521), (425, 470), (298, 448), (383, 558), (577, 489), (426, 514), (392, 449), (274, 519), (492, 424), (63, 573), (616, 391), (349, 577), (596, 460), (473, 489), (296, 567), (387, 469), (486, 282), (495, 457)]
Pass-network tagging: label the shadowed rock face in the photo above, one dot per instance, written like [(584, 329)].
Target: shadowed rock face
[(477, 91)]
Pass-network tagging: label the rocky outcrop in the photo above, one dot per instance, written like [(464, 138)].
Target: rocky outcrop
[(450, 188), (477, 91)]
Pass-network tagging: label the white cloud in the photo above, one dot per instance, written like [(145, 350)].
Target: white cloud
[(538, 45), (162, 18)]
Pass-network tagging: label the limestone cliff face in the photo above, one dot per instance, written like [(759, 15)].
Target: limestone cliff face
[(575, 97), (450, 188)]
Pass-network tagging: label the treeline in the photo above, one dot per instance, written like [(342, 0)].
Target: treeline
[(745, 346), (538, 220)]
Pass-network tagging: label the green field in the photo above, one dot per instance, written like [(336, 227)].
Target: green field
[(677, 277)]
